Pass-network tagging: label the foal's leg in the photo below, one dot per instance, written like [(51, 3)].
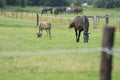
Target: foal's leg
[(50, 34), (47, 32)]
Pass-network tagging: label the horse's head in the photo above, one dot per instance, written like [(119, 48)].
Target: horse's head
[(86, 37), (51, 10), (39, 35), (56, 11), (86, 28), (71, 25)]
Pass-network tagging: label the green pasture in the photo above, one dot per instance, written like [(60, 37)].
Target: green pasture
[(23, 56)]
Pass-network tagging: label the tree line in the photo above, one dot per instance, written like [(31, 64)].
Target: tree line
[(25, 3), (54, 3), (107, 3)]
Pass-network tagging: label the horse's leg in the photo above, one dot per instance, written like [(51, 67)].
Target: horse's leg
[(76, 34), (79, 35)]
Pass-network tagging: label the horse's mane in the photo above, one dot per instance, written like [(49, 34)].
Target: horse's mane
[(85, 21)]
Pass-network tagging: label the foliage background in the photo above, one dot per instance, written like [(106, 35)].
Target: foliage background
[(96, 3)]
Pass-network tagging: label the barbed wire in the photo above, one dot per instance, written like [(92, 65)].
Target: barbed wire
[(113, 51)]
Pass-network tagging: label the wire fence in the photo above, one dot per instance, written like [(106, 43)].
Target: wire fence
[(32, 16), (80, 63), (115, 51)]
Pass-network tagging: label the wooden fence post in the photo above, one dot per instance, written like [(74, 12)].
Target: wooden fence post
[(12, 14), (119, 26), (21, 15), (94, 22), (69, 20), (61, 19), (98, 20), (32, 14), (16, 15), (4, 13), (37, 19), (106, 57), (106, 19), (1, 12), (26, 15)]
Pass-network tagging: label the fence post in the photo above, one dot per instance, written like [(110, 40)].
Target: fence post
[(94, 22), (32, 14), (4, 13), (98, 20), (119, 26), (16, 15), (106, 19), (61, 19), (21, 15), (69, 20), (12, 14), (1, 12), (106, 57), (26, 15), (37, 19)]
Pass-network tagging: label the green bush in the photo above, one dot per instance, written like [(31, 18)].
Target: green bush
[(107, 4), (77, 3)]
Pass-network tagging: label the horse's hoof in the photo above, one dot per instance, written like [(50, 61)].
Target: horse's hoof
[(77, 41)]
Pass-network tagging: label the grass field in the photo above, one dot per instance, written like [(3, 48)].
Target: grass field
[(23, 56)]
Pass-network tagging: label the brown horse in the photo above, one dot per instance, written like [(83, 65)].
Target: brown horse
[(59, 10), (44, 26), (46, 9), (81, 23), (77, 10)]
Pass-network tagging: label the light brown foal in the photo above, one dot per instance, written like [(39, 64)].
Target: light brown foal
[(44, 26)]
